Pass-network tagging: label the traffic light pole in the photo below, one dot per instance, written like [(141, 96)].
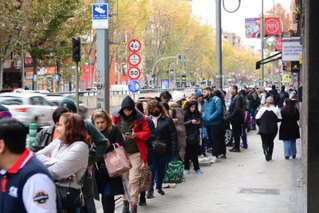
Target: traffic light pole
[(103, 67), (77, 86), (219, 65)]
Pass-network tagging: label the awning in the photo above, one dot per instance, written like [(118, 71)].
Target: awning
[(269, 59)]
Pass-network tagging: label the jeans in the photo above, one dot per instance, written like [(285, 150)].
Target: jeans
[(108, 204), (253, 111), (290, 148), (158, 169), (191, 154), (244, 135), (89, 206), (236, 127)]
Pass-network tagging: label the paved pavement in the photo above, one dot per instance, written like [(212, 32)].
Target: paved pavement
[(242, 183)]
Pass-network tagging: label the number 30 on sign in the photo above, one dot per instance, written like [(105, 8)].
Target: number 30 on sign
[(134, 73)]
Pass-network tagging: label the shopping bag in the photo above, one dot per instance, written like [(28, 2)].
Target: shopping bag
[(174, 172), (145, 180), (117, 162)]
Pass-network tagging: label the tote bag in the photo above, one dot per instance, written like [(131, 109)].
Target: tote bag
[(117, 162)]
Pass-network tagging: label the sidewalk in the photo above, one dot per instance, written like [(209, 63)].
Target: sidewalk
[(242, 183)]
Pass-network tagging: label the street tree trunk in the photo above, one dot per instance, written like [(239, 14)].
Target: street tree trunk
[(1, 74), (35, 71)]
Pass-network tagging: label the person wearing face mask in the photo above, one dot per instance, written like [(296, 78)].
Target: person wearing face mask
[(136, 131), (166, 133)]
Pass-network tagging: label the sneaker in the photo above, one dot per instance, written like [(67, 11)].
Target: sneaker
[(133, 208), (161, 192), (199, 171), (234, 150), (294, 156), (223, 156), (142, 202), (287, 157), (214, 159), (150, 195), (186, 171), (245, 146)]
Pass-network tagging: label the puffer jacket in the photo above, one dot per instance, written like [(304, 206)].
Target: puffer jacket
[(213, 111), (236, 112)]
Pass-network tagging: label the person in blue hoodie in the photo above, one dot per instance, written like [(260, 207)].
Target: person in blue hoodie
[(213, 121)]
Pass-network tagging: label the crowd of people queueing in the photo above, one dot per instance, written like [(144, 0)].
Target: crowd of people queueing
[(69, 155)]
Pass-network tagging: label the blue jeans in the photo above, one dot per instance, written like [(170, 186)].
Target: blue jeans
[(244, 135), (89, 206), (253, 111), (158, 169), (290, 148)]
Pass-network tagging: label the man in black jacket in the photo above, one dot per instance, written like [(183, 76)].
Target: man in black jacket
[(282, 96), (236, 116)]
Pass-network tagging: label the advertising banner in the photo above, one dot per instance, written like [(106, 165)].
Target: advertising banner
[(291, 49), (252, 27)]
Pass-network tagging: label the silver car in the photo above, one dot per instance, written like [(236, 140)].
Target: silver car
[(29, 107)]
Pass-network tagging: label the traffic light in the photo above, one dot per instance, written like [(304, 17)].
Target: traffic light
[(76, 49)]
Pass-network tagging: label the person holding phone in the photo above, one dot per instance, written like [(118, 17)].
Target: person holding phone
[(136, 131)]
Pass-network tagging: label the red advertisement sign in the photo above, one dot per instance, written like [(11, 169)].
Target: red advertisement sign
[(278, 46), (272, 26)]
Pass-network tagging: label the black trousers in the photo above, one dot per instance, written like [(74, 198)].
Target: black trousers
[(268, 143), (216, 139), (108, 204), (236, 128), (191, 154)]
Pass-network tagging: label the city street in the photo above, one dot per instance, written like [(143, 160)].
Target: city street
[(242, 183)]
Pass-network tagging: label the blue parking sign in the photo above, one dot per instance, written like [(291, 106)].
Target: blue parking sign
[(134, 86), (100, 15)]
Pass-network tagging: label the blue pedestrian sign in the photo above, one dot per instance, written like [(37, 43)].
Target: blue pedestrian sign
[(100, 16), (134, 86)]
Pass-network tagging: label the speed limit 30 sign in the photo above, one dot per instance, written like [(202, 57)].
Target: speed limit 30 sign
[(134, 73), (134, 45)]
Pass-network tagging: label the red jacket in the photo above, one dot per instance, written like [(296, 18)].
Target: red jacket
[(142, 130)]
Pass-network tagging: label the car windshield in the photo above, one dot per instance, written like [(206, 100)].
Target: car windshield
[(11, 101)]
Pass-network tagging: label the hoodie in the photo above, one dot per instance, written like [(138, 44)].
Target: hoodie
[(141, 126)]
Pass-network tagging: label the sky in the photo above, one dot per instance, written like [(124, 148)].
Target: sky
[(234, 22)]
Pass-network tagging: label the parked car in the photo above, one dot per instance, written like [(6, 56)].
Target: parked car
[(29, 107), (57, 98)]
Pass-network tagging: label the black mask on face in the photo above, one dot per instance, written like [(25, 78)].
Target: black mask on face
[(155, 113)]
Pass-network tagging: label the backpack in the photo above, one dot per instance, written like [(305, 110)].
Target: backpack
[(255, 99)]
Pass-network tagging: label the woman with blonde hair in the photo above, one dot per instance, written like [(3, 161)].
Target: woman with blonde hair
[(108, 187), (67, 156), (267, 118)]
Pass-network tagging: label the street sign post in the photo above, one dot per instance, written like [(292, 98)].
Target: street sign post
[(134, 45), (134, 59), (100, 16), (134, 73), (134, 86)]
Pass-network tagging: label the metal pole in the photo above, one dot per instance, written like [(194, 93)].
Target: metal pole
[(174, 74), (77, 86), (262, 33), (219, 68), (22, 64), (103, 67)]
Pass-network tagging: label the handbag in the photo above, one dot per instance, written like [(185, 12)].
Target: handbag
[(174, 172), (145, 180), (159, 147), (69, 198), (117, 161)]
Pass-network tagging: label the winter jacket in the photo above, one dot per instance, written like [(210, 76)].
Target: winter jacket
[(102, 178), (281, 98), (289, 129), (267, 118), (167, 133), (43, 138), (180, 128), (192, 129), (64, 160), (213, 111), (274, 94), (236, 112), (141, 126), (254, 99)]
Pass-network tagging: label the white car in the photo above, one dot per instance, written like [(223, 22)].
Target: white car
[(29, 107)]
